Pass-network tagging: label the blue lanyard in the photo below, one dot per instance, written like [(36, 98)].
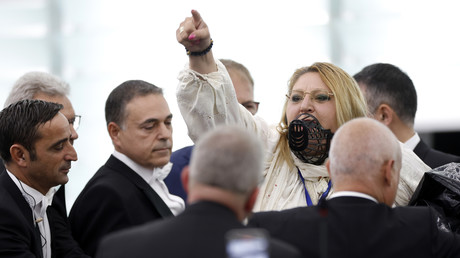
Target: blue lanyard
[(307, 196)]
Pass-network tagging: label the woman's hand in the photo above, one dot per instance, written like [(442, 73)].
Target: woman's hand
[(193, 33)]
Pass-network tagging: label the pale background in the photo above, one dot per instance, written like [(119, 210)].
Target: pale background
[(97, 44)]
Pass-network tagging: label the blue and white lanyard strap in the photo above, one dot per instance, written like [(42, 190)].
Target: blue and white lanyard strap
[(307, 196)]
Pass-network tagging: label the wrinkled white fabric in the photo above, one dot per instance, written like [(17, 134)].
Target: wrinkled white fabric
[(206, 100)]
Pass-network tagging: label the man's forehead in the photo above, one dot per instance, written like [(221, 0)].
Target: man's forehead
[(54, 129)]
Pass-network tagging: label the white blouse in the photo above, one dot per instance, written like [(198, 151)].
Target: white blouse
[(206, 100)]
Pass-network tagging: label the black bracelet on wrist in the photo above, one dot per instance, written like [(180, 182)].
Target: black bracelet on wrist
[(202, 53)]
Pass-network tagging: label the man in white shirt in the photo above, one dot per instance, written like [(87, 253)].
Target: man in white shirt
[(36, 146), (358, 220), (392, 100), (47, 87), (129, 189)]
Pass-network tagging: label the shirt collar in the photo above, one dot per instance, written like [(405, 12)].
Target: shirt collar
[(36, 200), (352, 194), (159, 173), (412, 142)]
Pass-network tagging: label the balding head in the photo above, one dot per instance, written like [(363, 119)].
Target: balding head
[(365, 156)]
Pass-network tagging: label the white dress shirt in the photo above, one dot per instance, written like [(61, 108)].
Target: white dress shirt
[(352, 194), (38, 204), (155, 179), (412, 142)]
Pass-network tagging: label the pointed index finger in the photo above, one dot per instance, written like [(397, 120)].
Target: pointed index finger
[(196, 17)]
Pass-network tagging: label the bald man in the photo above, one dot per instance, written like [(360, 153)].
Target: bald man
[(358, 220)]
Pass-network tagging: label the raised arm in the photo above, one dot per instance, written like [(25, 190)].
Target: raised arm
[(193, 34), (205, 94)]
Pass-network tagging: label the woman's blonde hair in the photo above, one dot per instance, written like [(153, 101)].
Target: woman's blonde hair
[(349, 101)]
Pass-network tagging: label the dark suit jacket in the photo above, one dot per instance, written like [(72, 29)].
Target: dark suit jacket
[(18, 237), (357, 227), (115, 198), (432, 157), (197, 232), (58, 199), (180, 159)]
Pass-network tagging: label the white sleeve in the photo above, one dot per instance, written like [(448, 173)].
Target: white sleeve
[(207, 100)]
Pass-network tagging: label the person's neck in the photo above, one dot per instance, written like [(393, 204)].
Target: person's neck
[(360, 188), (402, 131), (214, 194), (20, 174)]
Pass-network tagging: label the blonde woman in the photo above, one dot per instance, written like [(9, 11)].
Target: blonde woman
[(320, 98)]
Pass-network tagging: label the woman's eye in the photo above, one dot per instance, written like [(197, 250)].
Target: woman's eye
[(322, 97), (296, 98)]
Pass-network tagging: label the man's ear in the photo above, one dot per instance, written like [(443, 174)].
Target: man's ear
[(184, 178), (390, 183), (384, 114), (114, 130), (19, 155), (388, 172), (328, 164)]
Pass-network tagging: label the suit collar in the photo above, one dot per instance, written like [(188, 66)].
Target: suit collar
[(11, 189), (217, 210), (119, 167), (210, 205), (421, 149), (350, 200), (36, 200)]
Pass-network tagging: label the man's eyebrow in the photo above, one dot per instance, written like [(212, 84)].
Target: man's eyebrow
[(154, 120)]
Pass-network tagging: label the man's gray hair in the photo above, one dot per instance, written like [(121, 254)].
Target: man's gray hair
[(31, 83), (230, 158)]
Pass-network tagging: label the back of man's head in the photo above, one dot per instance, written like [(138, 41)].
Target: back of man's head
[(243, 84), (360, 151), (235, 66), (229, 158), (19, 124), (32, 83), (387, 84), (115, 105)]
